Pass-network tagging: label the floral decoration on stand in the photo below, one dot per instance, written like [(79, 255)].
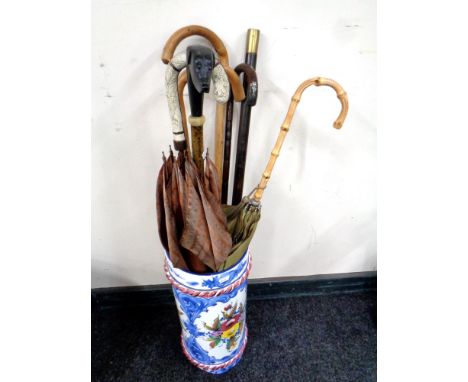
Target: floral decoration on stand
[(227, 329)]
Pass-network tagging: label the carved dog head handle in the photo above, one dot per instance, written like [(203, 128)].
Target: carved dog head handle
[(200, 64)]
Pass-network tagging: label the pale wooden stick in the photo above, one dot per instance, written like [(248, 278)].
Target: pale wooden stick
[(196, 124), (181, 82), (317, 81), (219, 140)]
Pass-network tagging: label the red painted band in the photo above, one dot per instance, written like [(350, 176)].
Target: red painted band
[(207, 293)]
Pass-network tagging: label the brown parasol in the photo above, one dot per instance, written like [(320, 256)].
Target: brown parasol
[(243, 217), (191, 223)]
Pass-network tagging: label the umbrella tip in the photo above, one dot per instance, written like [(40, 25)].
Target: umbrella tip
[(163, 157)]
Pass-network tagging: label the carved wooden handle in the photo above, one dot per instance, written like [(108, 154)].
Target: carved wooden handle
[(198, 30), (317, 81), (250, 76), (235, 82)]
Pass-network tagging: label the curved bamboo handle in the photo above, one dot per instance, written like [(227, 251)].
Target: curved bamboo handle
[(317, 81)]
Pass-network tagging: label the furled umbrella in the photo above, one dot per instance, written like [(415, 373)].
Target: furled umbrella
[(243, 217), (191, 223), (169, 230)]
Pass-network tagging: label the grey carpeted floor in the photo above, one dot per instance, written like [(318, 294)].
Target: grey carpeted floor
[(317, 338)]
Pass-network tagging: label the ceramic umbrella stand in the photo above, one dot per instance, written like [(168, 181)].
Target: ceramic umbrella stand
[(200, 233), (212, 312)]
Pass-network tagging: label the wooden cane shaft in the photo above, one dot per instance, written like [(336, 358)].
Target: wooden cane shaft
[(227, 149), (241, 153), (317, 81), (181, 82), (219, 124), (197, 143), (251, 89), (219, 140)]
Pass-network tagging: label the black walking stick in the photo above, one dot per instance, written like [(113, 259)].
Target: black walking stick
[(251, 92), (253, 36)]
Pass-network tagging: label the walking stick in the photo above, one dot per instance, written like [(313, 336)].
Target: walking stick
[(250, 77), (200, 63), (182, 80), (175, 96), (253, 36), (317, 81), (236, 86)]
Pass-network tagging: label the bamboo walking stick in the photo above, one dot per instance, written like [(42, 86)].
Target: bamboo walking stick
[(317, 81)]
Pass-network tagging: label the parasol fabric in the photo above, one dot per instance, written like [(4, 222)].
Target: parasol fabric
[(170, 225), (191, 223), (242, 222)]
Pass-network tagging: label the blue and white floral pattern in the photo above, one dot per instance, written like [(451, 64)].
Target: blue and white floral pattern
[(195, 312)]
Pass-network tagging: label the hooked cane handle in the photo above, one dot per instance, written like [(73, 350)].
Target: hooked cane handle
[(340, 93), (198, 30), (317, 81)]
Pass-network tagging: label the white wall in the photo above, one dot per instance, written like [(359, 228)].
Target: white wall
[(319, 210)]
